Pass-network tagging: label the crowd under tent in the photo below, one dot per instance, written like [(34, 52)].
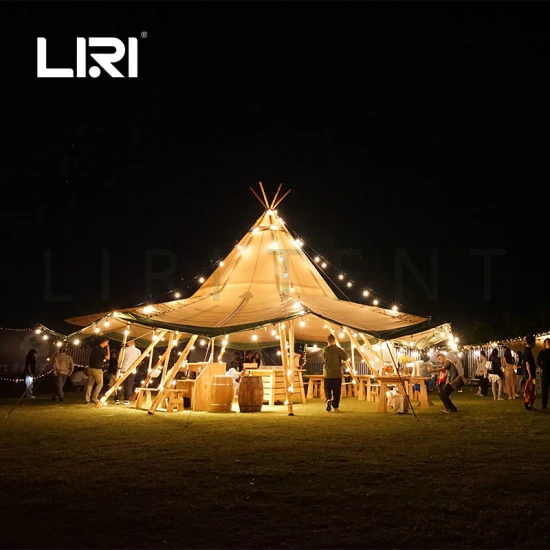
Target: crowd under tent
[(267, 292)]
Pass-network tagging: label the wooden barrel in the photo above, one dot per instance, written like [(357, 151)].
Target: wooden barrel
[(221, 394), (251, 394)]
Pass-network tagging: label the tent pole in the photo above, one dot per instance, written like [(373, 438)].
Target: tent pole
[(286, 368)]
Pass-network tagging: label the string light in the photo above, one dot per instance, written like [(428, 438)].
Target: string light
[(177, 295), (201, 280)]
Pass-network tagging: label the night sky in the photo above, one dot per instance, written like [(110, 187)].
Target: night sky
[(399, 127)]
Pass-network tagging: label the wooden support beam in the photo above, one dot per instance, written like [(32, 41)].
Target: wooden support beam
[(258, 197), (286, 368), (119, 381), (167, 358), (281, 199), (276, 195), (363, 355), (264, 195), (171, 375), (379, 354), (151, 370)]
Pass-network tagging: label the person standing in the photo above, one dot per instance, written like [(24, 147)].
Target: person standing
[(481, 373), (543, 360), (333, 356), (449, 368), (63, 367), (30, 372), (529, 391), (95, 370), (496, 376), (130, 355), (509, 365)]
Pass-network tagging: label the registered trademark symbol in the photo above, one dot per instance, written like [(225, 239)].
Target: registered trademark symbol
[(143, 34)]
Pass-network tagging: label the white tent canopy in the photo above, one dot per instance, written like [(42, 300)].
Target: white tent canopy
[(266, 279)]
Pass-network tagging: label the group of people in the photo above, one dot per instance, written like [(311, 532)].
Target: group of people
[(515, 376), (117, 366)]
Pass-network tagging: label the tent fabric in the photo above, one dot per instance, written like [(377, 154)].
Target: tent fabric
[(266, 279)]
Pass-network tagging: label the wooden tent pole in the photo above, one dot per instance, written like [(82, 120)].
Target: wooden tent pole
[(151, 370), (211, 358), (368, 344), (286, 368), (125, 375), (281, 199), (275, 197), (264, 195), (171, 375), (167, 358), (361, 353), (258, 197)]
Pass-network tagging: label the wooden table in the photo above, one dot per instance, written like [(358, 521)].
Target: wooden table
[(384, 381), (424, 401)]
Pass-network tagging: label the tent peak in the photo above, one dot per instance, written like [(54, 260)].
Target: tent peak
[(263, 200)]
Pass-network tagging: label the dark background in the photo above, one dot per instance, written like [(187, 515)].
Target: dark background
[(411, 126)]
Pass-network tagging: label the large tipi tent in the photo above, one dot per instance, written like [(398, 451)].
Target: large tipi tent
[(265, 284)]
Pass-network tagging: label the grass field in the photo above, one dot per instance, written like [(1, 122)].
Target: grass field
[(77, 477)]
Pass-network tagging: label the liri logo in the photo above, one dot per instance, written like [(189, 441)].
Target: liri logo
[(104, 60)]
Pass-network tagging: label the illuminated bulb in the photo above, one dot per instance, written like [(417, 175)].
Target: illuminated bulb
[(147, 309), (273, 333), (365, 293), (456, 339), (240, 247), (192, 348), (325, 326), (38, 331), (177, 295), (349, 284), (375, 302), (278, 352), (96, 330), (302, 323), (323, 265), (291, 289), (273, 227), (222, 263), (202, 342), (179, 352), (45, 336), (317, 259), (355, 334), (224, 341), (58, 344), (127, 331), (255, 230), (285, 274), (106, 323), (201, 280), (254, 337), (280, 258), (76, 342), (341, 335), (341, 277), (394, 308)]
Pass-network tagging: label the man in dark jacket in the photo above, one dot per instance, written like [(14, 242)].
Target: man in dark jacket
[(543, 361), (333, 356)]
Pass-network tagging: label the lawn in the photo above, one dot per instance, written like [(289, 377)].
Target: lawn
[(78, 477)]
